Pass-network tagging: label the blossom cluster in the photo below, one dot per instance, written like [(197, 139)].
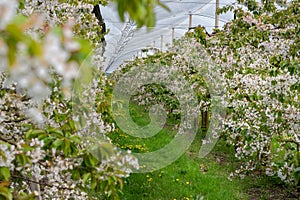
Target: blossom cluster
[(262, 76), (52, 143)]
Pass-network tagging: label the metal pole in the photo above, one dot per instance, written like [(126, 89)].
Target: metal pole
[(161, 42), (173, 35), (217, 16)]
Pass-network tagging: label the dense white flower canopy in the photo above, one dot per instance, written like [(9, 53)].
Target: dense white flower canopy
[(124, 40)]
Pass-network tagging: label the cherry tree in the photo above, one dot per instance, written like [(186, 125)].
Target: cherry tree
[(259, 52), (53, 146)]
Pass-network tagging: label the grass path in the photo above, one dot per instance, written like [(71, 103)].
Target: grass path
[(191, 178)]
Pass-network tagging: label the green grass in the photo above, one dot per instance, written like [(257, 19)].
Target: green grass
[(186, 178), (189, 177)]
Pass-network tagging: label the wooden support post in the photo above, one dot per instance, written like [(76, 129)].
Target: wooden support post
[(190, 20)]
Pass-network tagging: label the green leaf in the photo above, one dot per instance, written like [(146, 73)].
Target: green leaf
[(54, 131), (12, 50), (90, 160), (67, 147), (75, 174), (4, 173), (94, 183), (33, 134), (75, 139), (57, 143), (5, 193), (21, 4), (2, 155), (106, 150), (34, 48), (85, 177), (163, 6), (23, 159), (19, 20)]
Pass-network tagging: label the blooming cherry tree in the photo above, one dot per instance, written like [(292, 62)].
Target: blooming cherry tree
[(52, 146), (259, 52)]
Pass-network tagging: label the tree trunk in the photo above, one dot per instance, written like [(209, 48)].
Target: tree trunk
[(204, 117)]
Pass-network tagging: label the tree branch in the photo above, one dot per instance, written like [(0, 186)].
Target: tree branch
[(40, 183), (6, 140)]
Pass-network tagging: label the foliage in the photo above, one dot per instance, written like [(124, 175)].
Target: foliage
[(258, 56), (261, 47), (149, 95), (59, 12), (43, 151), (140, 11), (52, 146)]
